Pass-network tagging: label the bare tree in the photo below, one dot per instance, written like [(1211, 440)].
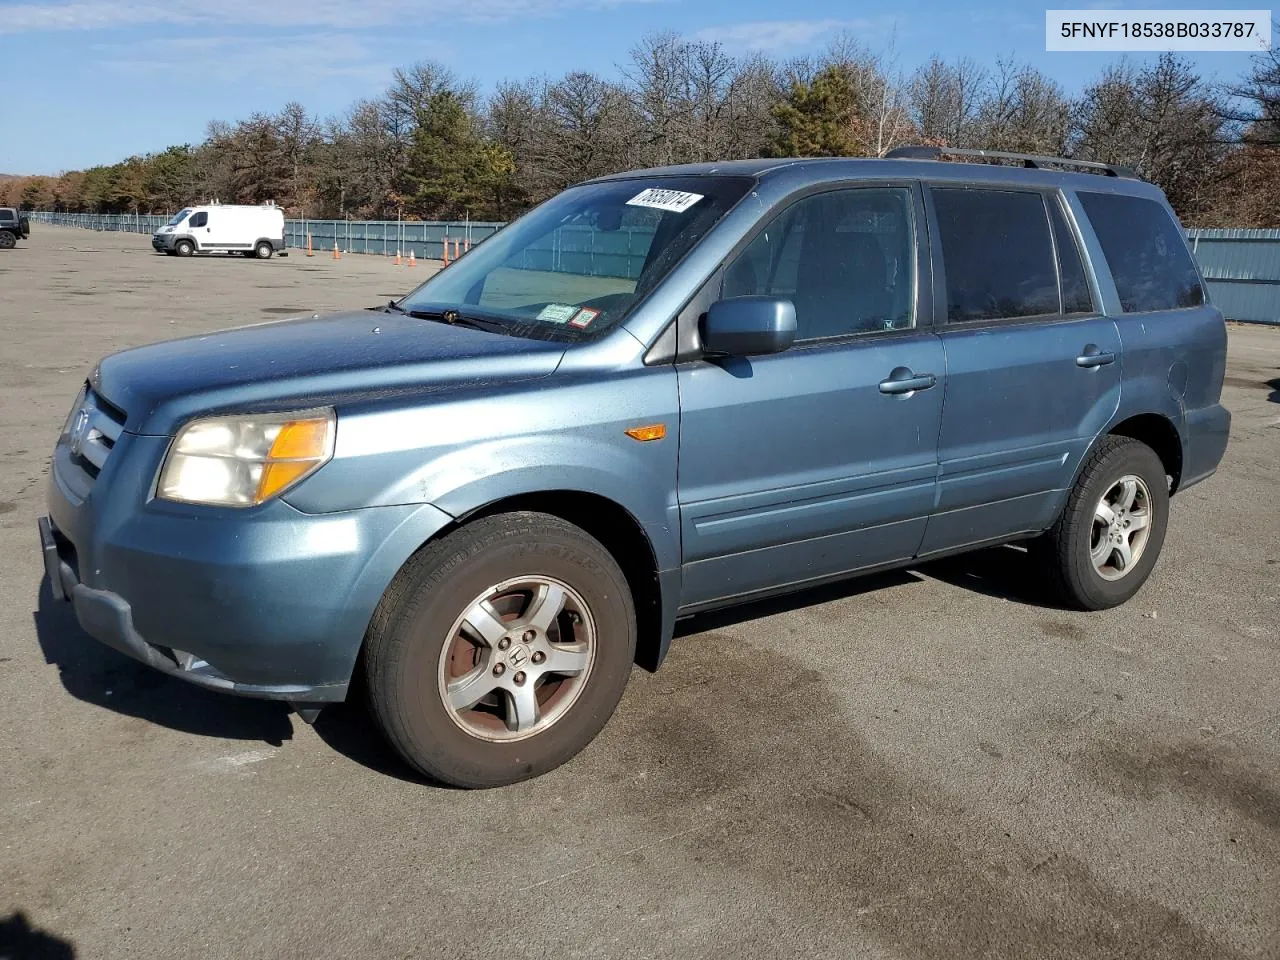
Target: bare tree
[(1162, 120), (590, 131), (299, 135), (944, 101), (1026, 112)]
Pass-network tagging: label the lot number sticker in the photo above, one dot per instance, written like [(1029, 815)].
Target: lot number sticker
[(677, 201), (582, 319)]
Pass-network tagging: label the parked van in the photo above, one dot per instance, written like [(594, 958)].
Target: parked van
[(223, 228), (496, 494)]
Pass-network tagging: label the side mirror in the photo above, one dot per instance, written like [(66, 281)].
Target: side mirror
[(748, 326)]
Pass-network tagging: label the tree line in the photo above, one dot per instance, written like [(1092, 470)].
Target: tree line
[(433, 147)]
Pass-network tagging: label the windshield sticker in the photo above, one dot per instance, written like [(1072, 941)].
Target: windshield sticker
[(583, 317), (557, 313), (677, 201)]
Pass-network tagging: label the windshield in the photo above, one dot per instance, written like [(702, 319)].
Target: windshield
[(178, 217), (577, 264)]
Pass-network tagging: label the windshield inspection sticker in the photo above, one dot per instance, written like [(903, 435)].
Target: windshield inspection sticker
[(557, 313), (583, 317), (677, 201)]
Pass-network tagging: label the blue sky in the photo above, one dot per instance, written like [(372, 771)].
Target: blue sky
[(92, 81)]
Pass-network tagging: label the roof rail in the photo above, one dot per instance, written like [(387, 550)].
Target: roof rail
[(1026, 159)]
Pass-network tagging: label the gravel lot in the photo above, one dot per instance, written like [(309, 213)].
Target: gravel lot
[(931, 764)]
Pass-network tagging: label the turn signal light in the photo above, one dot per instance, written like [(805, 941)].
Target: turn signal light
[(650, 431)]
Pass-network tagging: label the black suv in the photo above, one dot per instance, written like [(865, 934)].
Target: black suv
[(13, 227)]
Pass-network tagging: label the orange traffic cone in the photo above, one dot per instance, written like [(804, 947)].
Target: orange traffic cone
[(336, 254), (412, 262), (310, 252), (397, 261), (466, 245), (445, 255)]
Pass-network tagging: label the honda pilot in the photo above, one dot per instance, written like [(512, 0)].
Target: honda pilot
[(657, 393)]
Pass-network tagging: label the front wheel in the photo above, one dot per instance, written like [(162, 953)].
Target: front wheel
[(501, 650), (184, 248), (1105, 543), (264, 250)]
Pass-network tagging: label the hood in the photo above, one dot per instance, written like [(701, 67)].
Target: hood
[(330, 360)]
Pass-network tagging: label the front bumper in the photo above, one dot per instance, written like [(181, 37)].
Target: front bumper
[(265, 602), (162, 241), (108, 618)]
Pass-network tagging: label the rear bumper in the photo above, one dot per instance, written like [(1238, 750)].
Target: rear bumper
[(1208, 430)]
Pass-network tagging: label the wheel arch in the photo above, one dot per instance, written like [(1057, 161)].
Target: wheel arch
[(620, 533), (1157, 432)]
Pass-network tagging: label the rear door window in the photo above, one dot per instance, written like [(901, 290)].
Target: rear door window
[(997, 253), (1145, 252), (8, 216)]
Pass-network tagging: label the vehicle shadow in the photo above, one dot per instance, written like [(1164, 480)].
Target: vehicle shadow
[(21, 941), (1004, 572), (99, 675), (1274, 395), (350, 729)]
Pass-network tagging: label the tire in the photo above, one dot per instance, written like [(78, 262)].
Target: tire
[(8, 240), (423, 643), (263, 251), (184, 248), (1082, 552)]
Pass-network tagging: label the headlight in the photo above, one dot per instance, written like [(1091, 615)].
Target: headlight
[(75, 408), (242, 461)]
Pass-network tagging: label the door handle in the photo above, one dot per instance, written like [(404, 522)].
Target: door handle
[(902, 380), (1093, 357)]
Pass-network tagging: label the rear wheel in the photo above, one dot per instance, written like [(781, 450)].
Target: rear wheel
[(184, 248), (501, 650), (7, 240), (1105, 544), (263, 250)]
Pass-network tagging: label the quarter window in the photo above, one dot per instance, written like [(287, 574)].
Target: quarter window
[(1145, 252), (997, 253), (845, 258)]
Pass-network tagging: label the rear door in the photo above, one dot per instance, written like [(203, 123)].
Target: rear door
[(1033, 367), (819, 460)]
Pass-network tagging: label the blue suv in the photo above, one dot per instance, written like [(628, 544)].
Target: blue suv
[(657, 393)]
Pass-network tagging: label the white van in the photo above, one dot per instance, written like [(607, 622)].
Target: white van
[(223, 228)]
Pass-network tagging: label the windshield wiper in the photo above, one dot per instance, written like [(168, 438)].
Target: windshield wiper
[(392, 306), (455, 319)]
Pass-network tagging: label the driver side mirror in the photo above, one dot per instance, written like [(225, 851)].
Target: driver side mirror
[(748, 326)]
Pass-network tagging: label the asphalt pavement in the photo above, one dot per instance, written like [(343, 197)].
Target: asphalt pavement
[(928, 764)]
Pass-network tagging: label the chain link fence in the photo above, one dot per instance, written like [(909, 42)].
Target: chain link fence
[(424, 238), (571, 249)]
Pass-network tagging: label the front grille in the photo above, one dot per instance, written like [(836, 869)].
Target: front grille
[(94, 430)]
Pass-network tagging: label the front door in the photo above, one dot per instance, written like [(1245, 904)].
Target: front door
[(1033, 368), (201, 230), (820, 460)]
